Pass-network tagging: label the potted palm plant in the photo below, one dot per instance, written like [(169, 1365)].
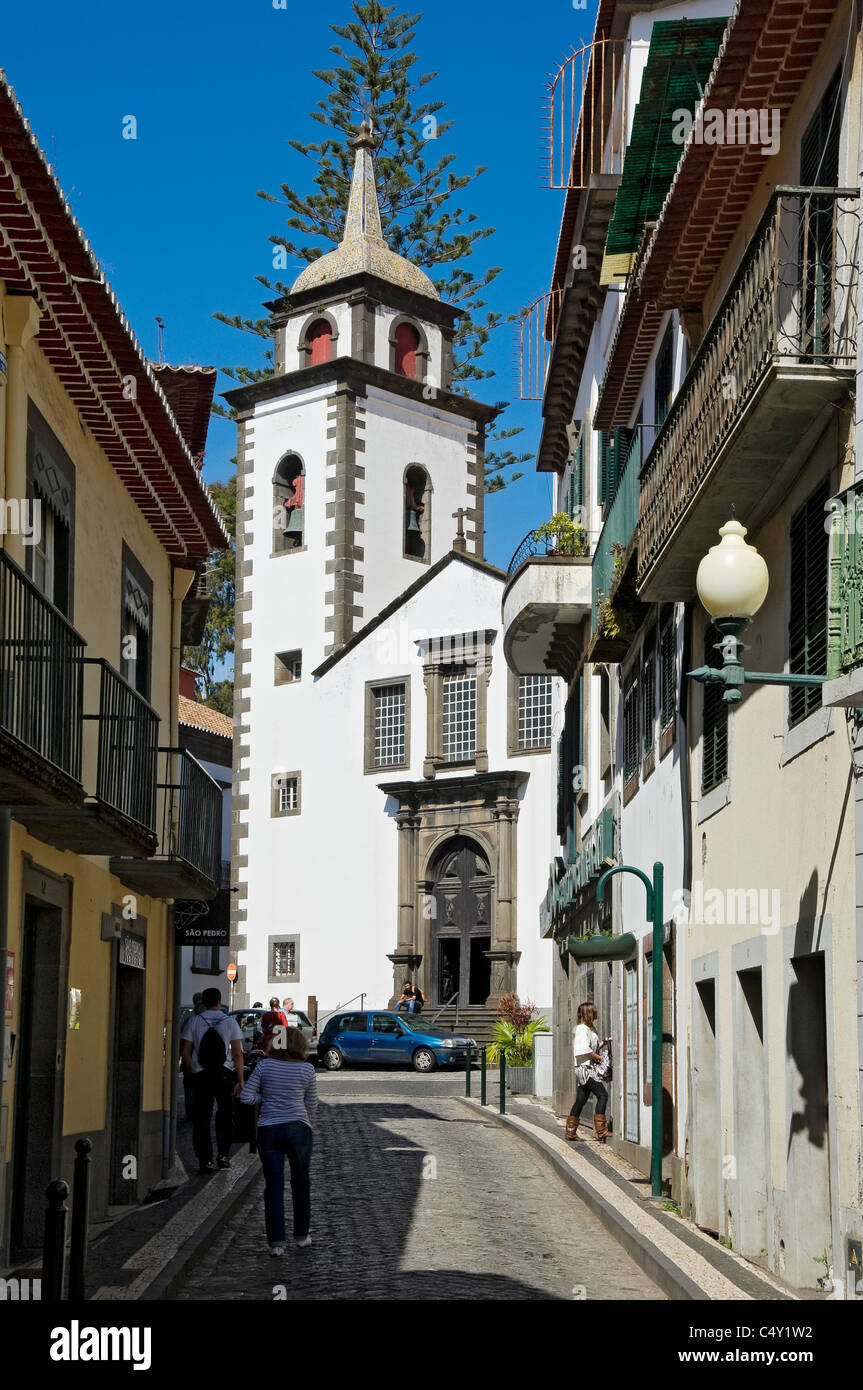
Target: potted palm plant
[(514, 1032)]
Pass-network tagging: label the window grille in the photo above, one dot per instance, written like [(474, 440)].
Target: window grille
[(389, 726), (284, 957), (534, 711), (459, 717)]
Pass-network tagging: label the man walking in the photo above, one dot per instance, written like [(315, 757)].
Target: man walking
[(212, 1052)]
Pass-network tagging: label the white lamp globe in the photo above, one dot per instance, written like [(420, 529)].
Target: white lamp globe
[(732, 579)]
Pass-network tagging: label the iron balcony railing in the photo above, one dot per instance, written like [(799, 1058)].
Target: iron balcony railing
[(548, 545), (191, 827), (41, 692), (844, 517), (792, 301), (126, 747)]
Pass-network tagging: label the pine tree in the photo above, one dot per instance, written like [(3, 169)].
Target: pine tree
[(218, 639), (375, 79)]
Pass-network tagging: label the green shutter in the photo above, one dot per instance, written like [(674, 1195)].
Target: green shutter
[(714, 734), (604, 441), (667, 675), (807, 624), (630, 728), (648, 694)]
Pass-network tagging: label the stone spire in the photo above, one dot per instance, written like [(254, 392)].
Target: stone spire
[(362, 247)]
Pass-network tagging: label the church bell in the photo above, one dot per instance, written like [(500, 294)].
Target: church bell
[(293, 523), (411, 520)]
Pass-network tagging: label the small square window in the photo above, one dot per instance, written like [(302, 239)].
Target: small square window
[(289, 667), (284, 959), (387, 725), (285, 794)]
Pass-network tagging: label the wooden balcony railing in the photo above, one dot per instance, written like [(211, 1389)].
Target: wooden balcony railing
[(792, 301), (40, 672)]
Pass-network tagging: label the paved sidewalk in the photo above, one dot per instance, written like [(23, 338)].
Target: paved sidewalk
[(688, 1263), (415, 1198)]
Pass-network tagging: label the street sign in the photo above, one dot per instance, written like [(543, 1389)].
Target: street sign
[(231, 972)]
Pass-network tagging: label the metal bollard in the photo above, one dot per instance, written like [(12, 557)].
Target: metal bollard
[(503, 1083), (54, 1248), (80, 1220), (467, 1070), (482, 1065)]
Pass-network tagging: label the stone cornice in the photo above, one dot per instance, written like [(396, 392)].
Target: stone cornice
[(414, 796)]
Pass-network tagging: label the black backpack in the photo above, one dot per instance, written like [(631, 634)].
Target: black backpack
[(212, 1053)]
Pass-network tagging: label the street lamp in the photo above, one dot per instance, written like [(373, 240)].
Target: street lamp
[(732, 583), (653, 912)]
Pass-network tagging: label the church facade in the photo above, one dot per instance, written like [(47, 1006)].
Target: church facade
[(392, 777)]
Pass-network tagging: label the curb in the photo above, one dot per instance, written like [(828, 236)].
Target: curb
[(651, 1260), (165, 1285)]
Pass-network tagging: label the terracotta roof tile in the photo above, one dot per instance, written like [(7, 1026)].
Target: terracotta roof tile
[(198, 716)]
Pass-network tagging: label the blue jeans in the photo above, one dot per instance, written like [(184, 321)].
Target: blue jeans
[(275, 1141)]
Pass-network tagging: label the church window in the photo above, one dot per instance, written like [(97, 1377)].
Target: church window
[(387, 718), (289, 667), (320, 342), (288, 504), (283, 959), (534, 712), (285, 797), (407, 342), (417, 519), (458, 709)]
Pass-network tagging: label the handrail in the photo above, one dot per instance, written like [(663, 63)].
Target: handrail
[(330, 1013), (126, 756), (191, 819), (446, 1006), (530, 546)]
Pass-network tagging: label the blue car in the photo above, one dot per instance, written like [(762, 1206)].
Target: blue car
[(382, 1036)]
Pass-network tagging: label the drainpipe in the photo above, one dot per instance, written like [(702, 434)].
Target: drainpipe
[(686, 825)]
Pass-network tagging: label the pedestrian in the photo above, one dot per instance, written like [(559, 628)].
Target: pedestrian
[(197, 1008), (275, 1008), (212, 1052), (407, 997), (197, 1003), (288, 1006), (284, 1084), (418, 1001), (257, 1004), (586, 1048)]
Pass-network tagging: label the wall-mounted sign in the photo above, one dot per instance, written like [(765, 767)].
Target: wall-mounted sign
[(210, 927), (567, 881), (10, 984), (132, 949)]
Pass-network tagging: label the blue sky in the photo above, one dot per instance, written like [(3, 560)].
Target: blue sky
[(217, 89)]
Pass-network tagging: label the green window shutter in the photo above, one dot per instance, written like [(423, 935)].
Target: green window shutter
[(714, 734), (630, 728), (819, 148), (667, 675), (807, 625), (648, 694), (579, 472), (604, 465)]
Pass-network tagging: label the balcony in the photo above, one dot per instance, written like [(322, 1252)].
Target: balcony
[(546, 600), (119, 760), (616, 612), (781, 350), (40, 698), (189, 864)]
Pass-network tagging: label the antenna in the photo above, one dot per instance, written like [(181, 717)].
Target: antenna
[(161, 330)]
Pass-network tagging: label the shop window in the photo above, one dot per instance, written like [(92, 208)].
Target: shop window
[(417, 520), (807, 624), (288, 504), (407, 344)]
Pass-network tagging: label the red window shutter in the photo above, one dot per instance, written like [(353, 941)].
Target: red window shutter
[(320, 340), (407, 342)]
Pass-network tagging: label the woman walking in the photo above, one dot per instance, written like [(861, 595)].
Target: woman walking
[(586, 1047), (284, 1084)]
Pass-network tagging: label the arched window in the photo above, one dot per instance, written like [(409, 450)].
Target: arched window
[(407, 342), (320, 342), (288, 513), (417, 524)]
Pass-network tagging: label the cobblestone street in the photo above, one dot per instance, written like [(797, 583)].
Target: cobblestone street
[(490, 1219)]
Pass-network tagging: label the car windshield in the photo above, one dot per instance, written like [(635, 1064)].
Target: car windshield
[(415, 1024)]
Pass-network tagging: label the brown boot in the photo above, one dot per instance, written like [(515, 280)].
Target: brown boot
[(601, 1127), (572, 1129)]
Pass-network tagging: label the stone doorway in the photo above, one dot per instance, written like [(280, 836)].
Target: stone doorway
[(461, 934)]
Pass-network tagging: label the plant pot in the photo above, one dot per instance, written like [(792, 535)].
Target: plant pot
[(610, 649), (520, 1080), (601, 947)]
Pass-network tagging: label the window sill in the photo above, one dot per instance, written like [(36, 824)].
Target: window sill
[(385, 767), (805, 734), (630, 787), (280, 815), (417, 559), (529, 752), (648, 764), (666, 739), (714, 800), (294, 550)]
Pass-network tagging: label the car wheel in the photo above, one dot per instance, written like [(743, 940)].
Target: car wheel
[(424, 1060), (333, 1059)]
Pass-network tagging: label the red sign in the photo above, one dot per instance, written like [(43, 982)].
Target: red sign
[(231, 972)]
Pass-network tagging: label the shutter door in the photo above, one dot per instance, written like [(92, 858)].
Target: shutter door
[(630, 1120)]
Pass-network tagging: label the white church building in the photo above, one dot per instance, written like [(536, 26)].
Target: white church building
[(392, 783)]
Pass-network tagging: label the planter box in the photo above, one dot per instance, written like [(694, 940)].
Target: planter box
[(601, 947), (520, 1080)]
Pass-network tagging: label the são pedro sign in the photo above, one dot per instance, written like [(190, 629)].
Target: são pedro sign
[(567, 881)]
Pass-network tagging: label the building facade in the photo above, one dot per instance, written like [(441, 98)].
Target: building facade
[(391, 777), (107, 527)]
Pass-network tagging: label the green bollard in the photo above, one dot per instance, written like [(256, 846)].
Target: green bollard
[(482, 1062), (467, 1070), (503, 1083)]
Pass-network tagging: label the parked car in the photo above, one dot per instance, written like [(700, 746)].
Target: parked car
[(382, 1036), (250, 1022)]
